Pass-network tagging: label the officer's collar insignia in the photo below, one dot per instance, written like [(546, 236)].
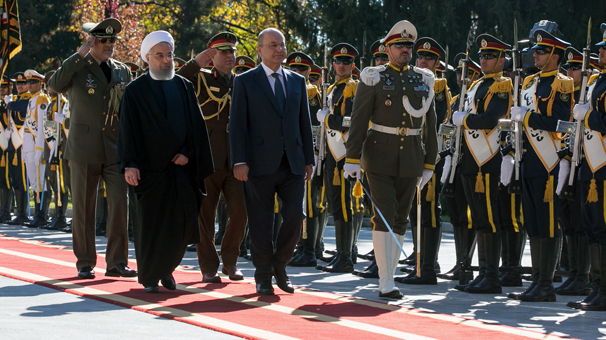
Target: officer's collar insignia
[(298, 59), (539, 38), (344, 50), (484, 43), (241, 62), (109, 30), (381, 48), (427, 45), (570, 56)]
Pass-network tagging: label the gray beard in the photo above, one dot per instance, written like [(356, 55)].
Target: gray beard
[(162, 74)]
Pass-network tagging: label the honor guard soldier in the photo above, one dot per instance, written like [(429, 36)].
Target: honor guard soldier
[(487, 100), (33, 146), (178, 63), (379, 55), (571, 217), (315, 75), (428, 53), (6, 190), (546, 97), (340, 103), (134, 69), (593, 181), (243, 64), (94, 83), (355, 73), (398, 152), (458, 208), (57, 168), (213, 88), (301, 63), (17, 110)]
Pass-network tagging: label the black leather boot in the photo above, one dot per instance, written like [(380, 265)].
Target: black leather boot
[(357, 221), (481, 261), (41, 215), (596, 277), (579, 264), (492, 248), (453, 274), (370, 272), (332, 259), (343, 264), (516, 241), (59, 221), (544, 291), (599, 302), (431, 242), (308, 252), (22, 198), (7, 201), (535, 255)]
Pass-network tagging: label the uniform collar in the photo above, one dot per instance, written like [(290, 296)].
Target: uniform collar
[(25, 94), (397, 68), (549, 74), (343, 80), (493, 75)]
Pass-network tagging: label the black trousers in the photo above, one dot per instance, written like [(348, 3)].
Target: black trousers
[(484, 206), (540, 217), (259, 193), (594, 219), (510, 210)]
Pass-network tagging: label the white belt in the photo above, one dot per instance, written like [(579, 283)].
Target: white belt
[(394, 130)]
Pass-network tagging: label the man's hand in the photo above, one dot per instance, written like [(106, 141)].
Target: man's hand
[(59, 117), (241, 172), (205, 57), (425, 178), (518, 113), (580, 111), (83, 50), (353, 170), (458, 117), (7, 134), (132, 176), (179, 159), (506, 169), (446, 170), (321, 114), (309, 172)]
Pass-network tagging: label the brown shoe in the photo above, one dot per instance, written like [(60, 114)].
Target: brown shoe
[(232, 272), (211, 278)]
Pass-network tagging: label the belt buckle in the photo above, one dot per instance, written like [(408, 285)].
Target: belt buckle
[(403, 131)]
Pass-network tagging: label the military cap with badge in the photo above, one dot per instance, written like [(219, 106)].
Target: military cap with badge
[(473, 67), (299, 61), (243, 64), (378, 52), (105, 30), (315, 73), (343, 53), (488, 45), (178, 62)]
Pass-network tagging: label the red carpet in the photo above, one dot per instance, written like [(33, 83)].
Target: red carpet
[(234, 308)]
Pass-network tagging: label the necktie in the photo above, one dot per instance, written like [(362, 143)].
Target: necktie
[(279, 92), (107, 71)]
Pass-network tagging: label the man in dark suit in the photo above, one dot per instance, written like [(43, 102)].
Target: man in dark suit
[(272, 152)]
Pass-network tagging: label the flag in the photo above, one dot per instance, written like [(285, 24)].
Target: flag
[(10, 32)]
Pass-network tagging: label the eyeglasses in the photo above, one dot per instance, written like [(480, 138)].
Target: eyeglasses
[(408, 45), (111, 40), (575, 67), (347, 61), (382, 57), (299, 68), (427, 56), (33, 81), (487, 56), (274, 46), (314, 79), (542, 51), (162, 56), (4, 86)]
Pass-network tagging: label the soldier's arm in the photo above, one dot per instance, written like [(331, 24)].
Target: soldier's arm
[(335, 122), (360, 117), (561, 111), (497, 109), (596, 120), (189, 70), (430, 138), (61, 81)]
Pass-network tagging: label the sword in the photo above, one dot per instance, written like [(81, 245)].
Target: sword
[(363, 58), (418, 231), (57, 143)]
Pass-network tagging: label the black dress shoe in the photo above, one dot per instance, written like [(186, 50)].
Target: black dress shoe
[(37, 222), (516, 295), (153, 288), (86, 273), (264, 288), (19, 221), (596, 304), (121, 270), (191, 247), (371, 272), (305, 260), (424, 279), (211, 278), (67, 229), (474, 282), (486, 286), (394, 294), (540, 293), (284, 282), (169, 283), (576, 287), (511, 280)]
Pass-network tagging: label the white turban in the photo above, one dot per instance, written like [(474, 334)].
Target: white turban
[(153, 39)]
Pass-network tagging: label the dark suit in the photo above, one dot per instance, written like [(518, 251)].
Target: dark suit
[(276, 144)]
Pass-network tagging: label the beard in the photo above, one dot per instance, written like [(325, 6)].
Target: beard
[(162, 73)]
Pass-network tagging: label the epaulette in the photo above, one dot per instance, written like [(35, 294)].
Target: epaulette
[(428, 76), (528, 80), (312, 91), (350, 88), (474, 84), (563, 84), (593, 79), (454, 99), (501, 84), (370, 76), (440, 85), (42, 99)]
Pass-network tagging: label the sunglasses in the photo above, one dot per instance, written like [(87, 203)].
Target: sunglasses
[(344, 61), (408, 45), (542, 51), (427, 56), (33, 81), (575, 67), (299, 68), (111, 40), (383, 58), (487, 56), (4, 86), (314, 79)]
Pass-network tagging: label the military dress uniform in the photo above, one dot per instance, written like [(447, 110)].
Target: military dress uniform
[(488, 100), (398, 149), (6, 190), (213, 90), (547, 97), (431, 222)]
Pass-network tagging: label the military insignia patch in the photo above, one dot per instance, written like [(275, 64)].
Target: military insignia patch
[(388, 102), (91, 91), (484, 43), (539, 38), (381, 48), (298, 59), (404, 34), (109, 30), (564, 97), (502, 95), (344, 50), (570, 56), (43, 106), (440, 96), (427, 45), (313, 102), (241, 62), (529, 84)]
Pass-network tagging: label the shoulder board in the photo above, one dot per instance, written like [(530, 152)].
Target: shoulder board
[(370, 75), (312, 91), (428, 76), (500, 85), (474, 84), (205, 70), (439, 85), (454, 99), (41, 99), (563, 84), (592, 79), (350, 88), (527, 81)]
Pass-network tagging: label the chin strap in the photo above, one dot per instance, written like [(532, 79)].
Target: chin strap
[(548, 60)]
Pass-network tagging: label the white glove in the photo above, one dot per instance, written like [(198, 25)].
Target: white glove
[(446, 171), (458, 118), (518, 113), (59, 117), (38, 156), (8, 99), (426, 177), (506, 169), (7, 134), (563, 174), (321, 115), (580, 111), (352, 170)]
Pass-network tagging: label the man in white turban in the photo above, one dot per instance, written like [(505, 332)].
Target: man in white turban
[(164, 152)]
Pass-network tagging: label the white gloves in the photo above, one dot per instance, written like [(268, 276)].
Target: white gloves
[(506, 169), (8, 99), (458, 118), (518, 113), (59, 117), (580, 111), (446, 171), (563, 174), (38, 156), (352, 170), (321, 114), (426, 177)]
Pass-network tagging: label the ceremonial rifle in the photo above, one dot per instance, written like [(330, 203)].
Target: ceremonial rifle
[(363, 58), (322, 146), (576, 131)]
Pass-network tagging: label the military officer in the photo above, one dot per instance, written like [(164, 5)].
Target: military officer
[(134, 69), (546, 98), (315, 75), (6, 190), (379, 55), (33, 147), (213, 88), (340, 99), (94, 83), (243, 64), (398, 151), (17, 110), (428, 52), (592, 182)]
